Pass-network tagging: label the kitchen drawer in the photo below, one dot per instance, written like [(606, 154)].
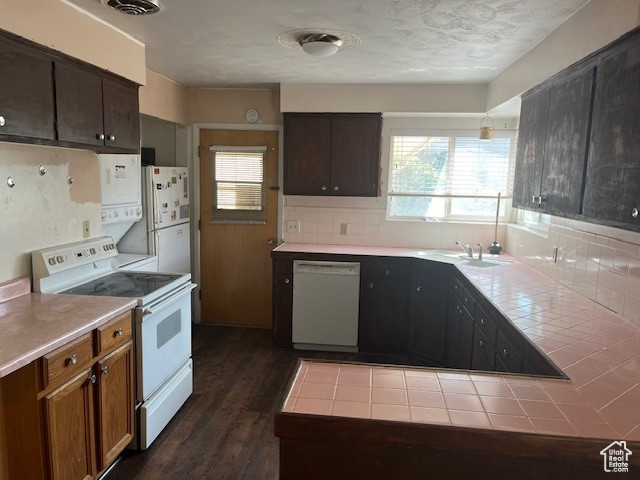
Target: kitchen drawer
[(61, 364), (487, 325), (484, 347), (510, 359), (114, 334), (463, 293), (381, 270)]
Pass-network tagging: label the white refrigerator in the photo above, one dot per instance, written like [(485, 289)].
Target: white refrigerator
[(164, 228)]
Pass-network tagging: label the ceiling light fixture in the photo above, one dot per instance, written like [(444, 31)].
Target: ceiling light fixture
[(320, 44), (486, 132)]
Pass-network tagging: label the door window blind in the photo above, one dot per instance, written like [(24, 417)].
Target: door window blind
[(449, 177), (238, 187)]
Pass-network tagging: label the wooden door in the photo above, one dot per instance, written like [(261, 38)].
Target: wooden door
[(236, 282), (115, 404), (355, 155), (307, 154), (70, 437), (79, 105), (612, 189), (531, 144), (121, 117), (566, 145), (429, 302), (26, 92)]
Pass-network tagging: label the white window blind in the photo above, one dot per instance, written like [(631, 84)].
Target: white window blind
[(449, 177), (238, 187)]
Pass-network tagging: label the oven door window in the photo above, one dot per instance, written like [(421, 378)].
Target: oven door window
[(168, 328)]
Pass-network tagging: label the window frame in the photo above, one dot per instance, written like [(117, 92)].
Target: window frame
[(448, 217)]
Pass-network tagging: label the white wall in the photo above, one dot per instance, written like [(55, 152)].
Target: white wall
[(401, 98), (42, 211), (598, 23)]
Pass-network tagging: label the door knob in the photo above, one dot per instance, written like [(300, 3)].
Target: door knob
[(105, 370)]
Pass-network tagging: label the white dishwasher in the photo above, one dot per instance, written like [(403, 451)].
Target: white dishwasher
[(326, 297)]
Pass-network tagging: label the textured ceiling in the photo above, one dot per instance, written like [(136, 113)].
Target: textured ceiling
[(235, 43)]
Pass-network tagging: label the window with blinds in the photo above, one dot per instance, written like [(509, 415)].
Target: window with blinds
[(456, 178), (238, 187)]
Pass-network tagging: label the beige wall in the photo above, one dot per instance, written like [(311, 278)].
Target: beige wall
[(42, 211), (401, 98), (595, 25), (59, 26), (163, 98), (213, 105)]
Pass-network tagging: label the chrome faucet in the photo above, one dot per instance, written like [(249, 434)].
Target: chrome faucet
[(480, 246), (467, 248)]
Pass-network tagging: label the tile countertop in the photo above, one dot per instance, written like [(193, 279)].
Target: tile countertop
[(596, 348), (34, 324)]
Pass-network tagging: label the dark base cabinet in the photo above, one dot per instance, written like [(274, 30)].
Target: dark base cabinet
[(424, 312)]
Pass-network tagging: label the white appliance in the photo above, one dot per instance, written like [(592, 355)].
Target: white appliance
[(121, 200), (162, 336), (326, 305), (164, 229)]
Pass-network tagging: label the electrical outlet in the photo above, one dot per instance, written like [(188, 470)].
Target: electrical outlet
[(344, 229), (86, 229), (293, 226)]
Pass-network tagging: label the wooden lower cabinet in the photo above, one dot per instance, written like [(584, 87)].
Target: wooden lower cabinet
[(115, 398), (69, 419)]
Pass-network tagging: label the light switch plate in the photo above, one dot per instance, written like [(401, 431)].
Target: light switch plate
[(344, 229), (86, 229), (293, 226)]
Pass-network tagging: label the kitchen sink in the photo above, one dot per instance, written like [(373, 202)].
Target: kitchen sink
[(456, 258)]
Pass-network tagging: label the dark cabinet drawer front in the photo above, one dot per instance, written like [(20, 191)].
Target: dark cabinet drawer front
[(487, 326), (463, 294), (484, 347), (385, 271), (510, 359)]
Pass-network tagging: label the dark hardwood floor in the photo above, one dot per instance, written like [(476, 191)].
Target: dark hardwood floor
[(225, 429)]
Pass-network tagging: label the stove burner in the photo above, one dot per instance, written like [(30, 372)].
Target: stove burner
[(124, 284)]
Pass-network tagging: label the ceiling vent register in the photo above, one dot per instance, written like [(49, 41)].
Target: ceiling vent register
[(134, 7)]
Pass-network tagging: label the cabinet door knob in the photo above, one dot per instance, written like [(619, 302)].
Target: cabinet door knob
[(466, 300), (105, 370), (112, 138), (386, 272), (73, 359), (2, 121), (371, 285), (93, 379), (634, 212), (505, 353), (455, 287), (323, 188), (119, 332), (482, 322), (100, 136), (480, 343), (418, 289), (286, 280), (336, 188)]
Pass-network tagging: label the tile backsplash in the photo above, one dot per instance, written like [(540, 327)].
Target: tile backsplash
[(589, 259), (369, 227)]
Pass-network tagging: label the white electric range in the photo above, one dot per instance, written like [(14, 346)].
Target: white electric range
[(162, 321)]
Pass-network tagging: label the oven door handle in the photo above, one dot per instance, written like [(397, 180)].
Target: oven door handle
[(155, 308)]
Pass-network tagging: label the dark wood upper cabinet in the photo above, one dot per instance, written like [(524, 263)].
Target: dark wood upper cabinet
[(79, 105), (121, 114), (307, 168), (530, 154), (565, 153), (612, 189), (26, 92), (428, 305), (49, 98), (332, 154)]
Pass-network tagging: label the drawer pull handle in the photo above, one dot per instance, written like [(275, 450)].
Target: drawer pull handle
[(336, 188), (371, 285), (505, 353), (119, 332), (323, 188), (482, 322), (481, 344), (286, 280), (634, 213), (73, 359), (386, 272), (105, 370), (466, 299), (455, 287), (418, 289), (93, 379)]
